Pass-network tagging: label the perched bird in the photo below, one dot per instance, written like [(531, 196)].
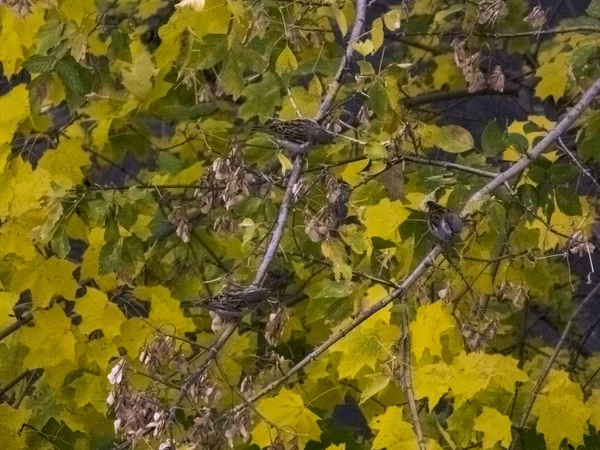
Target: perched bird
[(235, 302), (444, 224), (298, 135)]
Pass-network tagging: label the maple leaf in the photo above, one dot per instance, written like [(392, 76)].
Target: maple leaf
[(393, 433), (474, 372), (93, 305), (50, 339), (434, 322), (560, 411), (294, 420), (45, 278), (495, 426)]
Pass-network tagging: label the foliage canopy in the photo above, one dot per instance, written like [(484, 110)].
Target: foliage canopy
[(136, 177)]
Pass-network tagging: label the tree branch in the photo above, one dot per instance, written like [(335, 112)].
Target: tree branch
[(336, 85), (516, 34), (408, 384), (428, 261), (27, 317)]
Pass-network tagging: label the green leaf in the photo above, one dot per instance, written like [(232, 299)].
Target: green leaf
[(492, 139), (594, 9), (60, 242), (127, 215), (75, 78), (119, 47), (171, 107), (231, 79), (133, 249), (567, 201), (111, 232), (378, 99), (40, 63), (110, 258), (450, 138), (208, 51), (588, 147), (286, 62), (261, 99)]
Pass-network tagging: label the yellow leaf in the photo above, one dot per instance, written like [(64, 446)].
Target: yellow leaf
[(376, 383), (11, 421), (14, 107), (17, 235), (450, 138), (295, 422), (352, 172), (433, 323), (341, 446), (286, 164), (382, 220), (594, 404), (393, 433), (93, 305), (7, 301), (365, 47), (554, 76), (392, 19), (91, 389), (475, 372), (341, 20), (165, 311), (22, 188), (432, 381), (561, 412), (447, 74), (45, 278), (286, 62), (18, 39), (65, 163), (77, 11), (364, 346), (96, 352), (315, 88), (137, 75), (303, 103), (49, 340), (495, 427), (334, 251), (135, 333), (377, 34)]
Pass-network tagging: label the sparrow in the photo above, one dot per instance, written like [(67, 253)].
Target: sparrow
[(444, 224), (235, 302), (298, 135)]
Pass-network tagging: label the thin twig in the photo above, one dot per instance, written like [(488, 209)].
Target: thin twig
[(542, 378), (585, 171), (408, 384), (28, 317)]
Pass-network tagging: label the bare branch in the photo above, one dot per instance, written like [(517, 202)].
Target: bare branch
[(336, 85)]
